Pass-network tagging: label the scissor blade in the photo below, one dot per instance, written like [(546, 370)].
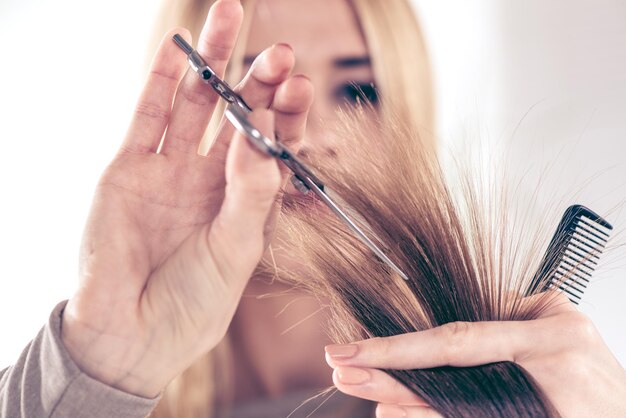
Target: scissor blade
[(354, 227)]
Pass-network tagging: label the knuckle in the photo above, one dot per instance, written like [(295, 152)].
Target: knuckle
[(455, 335), (289, 138), (258, 191), (178, 141), (294, 97), (267, 185), (164, 77), (152, 111), (383, 347), (580, 327), (199, 97), (558, 302), (216, 53)]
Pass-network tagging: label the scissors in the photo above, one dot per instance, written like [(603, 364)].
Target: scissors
[(303, 178)]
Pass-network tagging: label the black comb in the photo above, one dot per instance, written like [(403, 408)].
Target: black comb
[(573, 253)]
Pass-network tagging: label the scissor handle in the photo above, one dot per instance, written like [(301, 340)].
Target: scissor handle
[(207, 75)]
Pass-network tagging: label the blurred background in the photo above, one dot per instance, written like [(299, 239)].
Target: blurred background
[(546, 81)]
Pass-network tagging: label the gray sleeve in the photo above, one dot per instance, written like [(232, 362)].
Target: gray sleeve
[(45, 382)]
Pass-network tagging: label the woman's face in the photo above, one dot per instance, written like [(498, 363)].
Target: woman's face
[(329, 49)]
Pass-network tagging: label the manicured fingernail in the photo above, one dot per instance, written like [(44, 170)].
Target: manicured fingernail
[(390, 411), (285, 45), (352, 376), (341, 351)]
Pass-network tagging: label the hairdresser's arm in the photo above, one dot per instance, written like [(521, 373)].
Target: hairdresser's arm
[(562, 350), (171, 240), (45, 382)]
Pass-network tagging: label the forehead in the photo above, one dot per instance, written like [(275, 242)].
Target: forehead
[(314, 28)]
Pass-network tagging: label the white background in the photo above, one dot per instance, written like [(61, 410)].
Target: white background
[(546, 78)]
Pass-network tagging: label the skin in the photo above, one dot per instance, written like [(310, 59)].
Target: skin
[(270, 363), (561, 349), (173, 237), (325, 35)]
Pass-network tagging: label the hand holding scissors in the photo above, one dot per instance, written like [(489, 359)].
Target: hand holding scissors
[(173, 236), (303, 178)]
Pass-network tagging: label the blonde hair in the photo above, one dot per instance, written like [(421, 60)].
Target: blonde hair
[(403, 77)]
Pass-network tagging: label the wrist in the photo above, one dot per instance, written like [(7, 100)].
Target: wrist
[(110, 358)]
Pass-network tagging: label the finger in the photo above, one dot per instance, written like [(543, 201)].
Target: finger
[(252, 181), (397, 411), (152, 112), (555, 303), (374, 385), (292, 102), (459, 344), (291, 106), (258, 88), (195, 101)]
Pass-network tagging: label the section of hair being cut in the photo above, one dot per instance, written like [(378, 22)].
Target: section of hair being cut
[(469, 256)]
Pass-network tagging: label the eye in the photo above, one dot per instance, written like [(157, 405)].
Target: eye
[(353, 93)]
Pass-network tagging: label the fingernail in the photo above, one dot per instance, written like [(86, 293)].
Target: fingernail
[(390, 411), (341, 351), (352, 376), (306, 77), (285, 45)]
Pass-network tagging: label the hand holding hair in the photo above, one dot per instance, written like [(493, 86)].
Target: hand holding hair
[(561, 349), (173, 236), (458, 338)]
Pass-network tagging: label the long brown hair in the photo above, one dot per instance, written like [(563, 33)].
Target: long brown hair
[(464, 264)]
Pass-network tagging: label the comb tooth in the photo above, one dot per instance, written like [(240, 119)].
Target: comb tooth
[(570, 282), (579, 274), (570, 291), (567, 280), (580, 211), (586, 244), (568, 275), (581, 223), (572, 297), (582, 257), (579, 264), (566, 287), (592, 226), (592, 247), (577, 267), (590, 236), (563, 271), (590, 264), (573, 252), (576, 256), (593, 254)]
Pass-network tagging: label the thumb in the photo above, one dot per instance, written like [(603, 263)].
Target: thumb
[(252, 182)]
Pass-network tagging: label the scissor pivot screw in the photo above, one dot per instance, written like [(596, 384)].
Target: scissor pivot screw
[(299, 185), (206, 74)]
